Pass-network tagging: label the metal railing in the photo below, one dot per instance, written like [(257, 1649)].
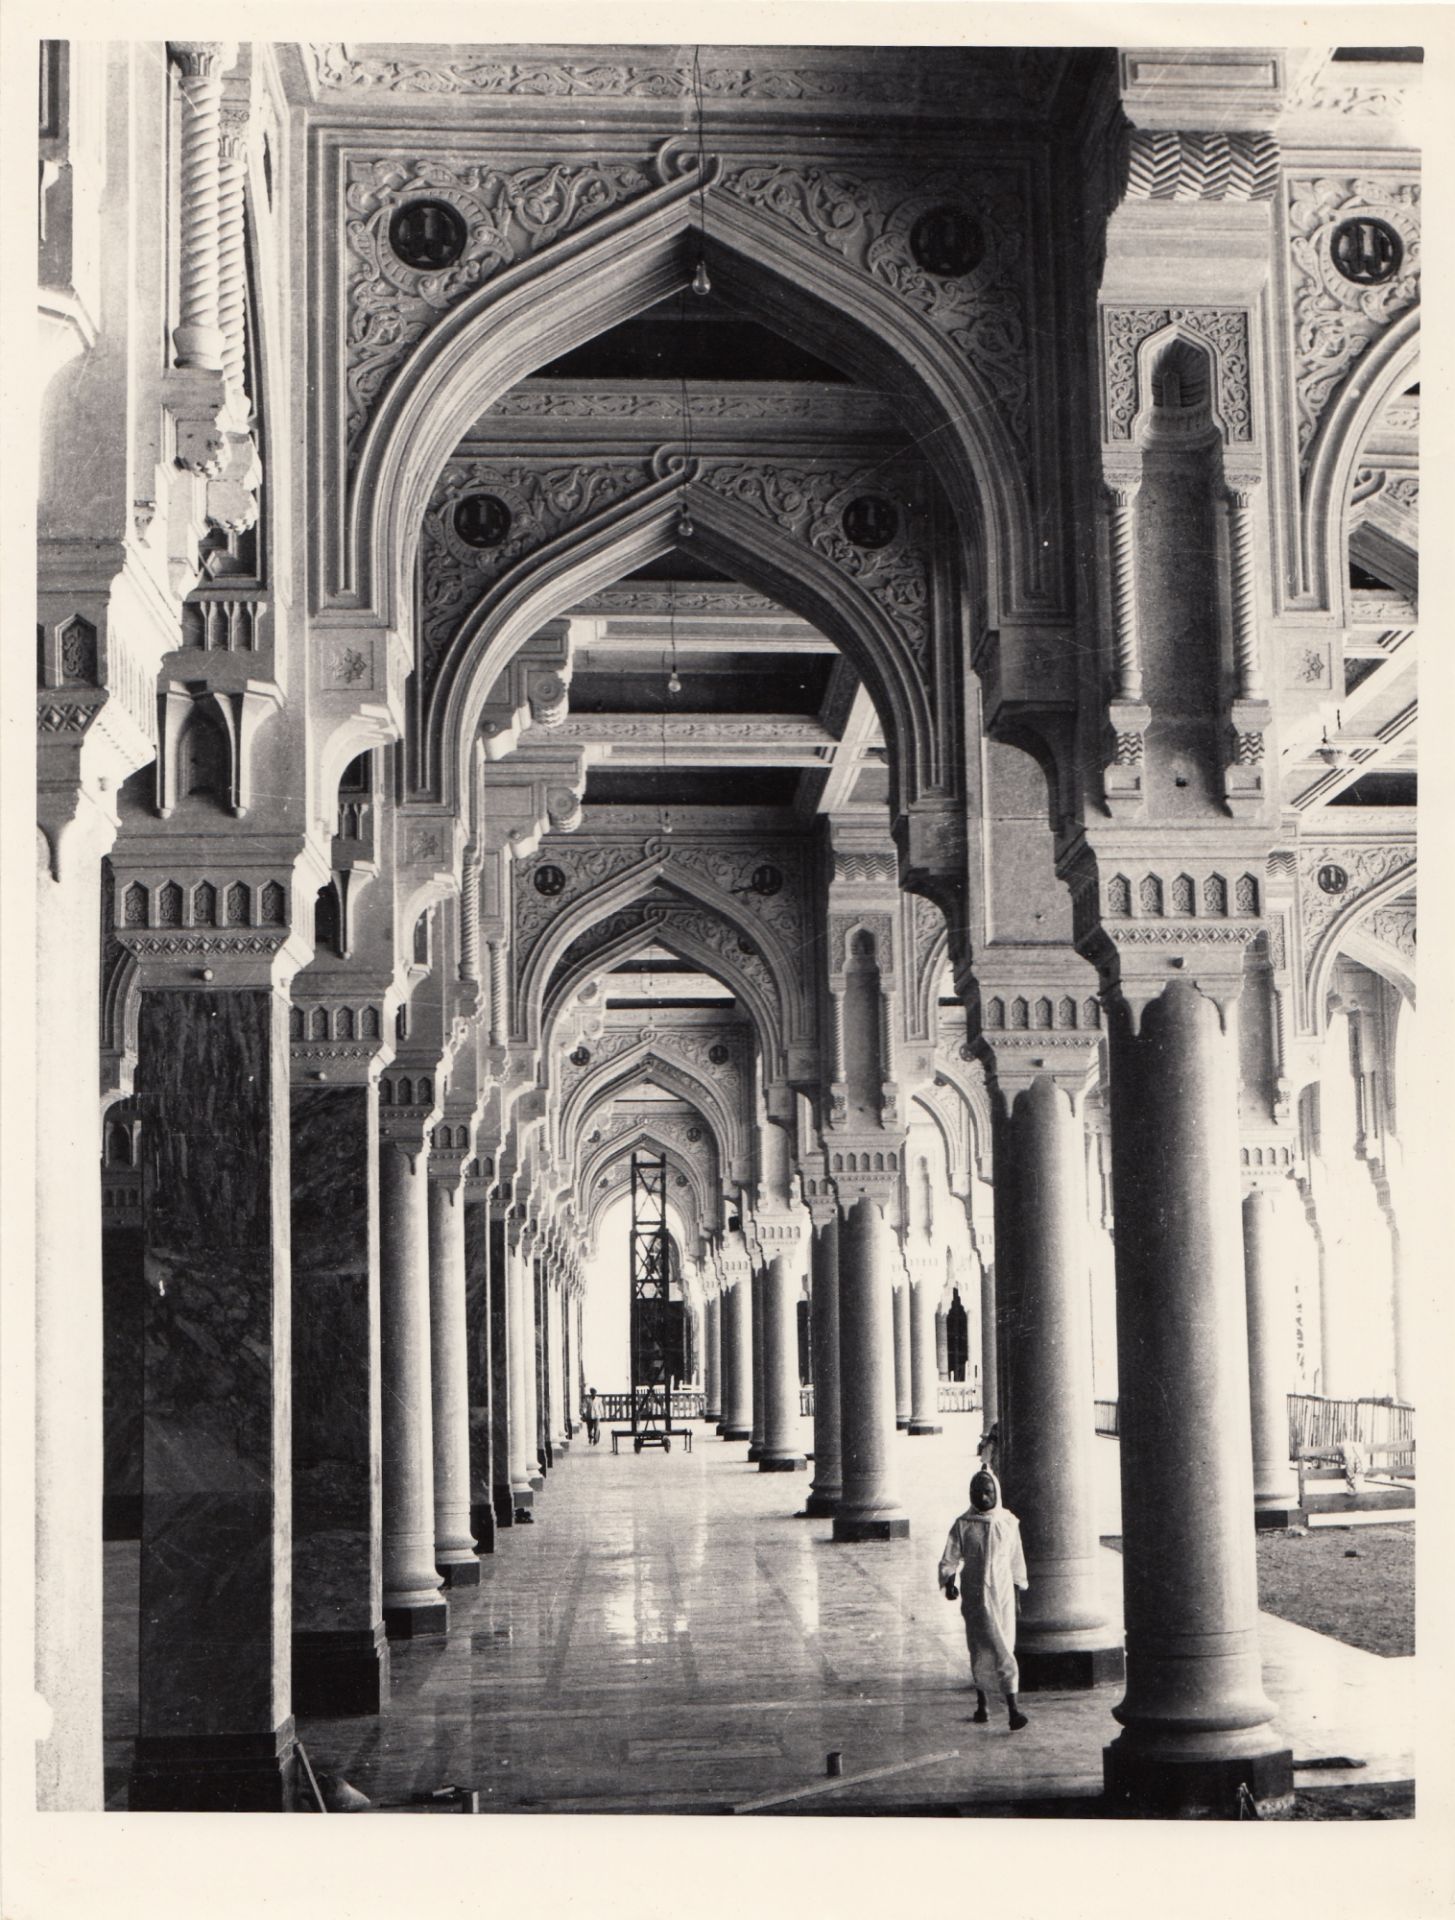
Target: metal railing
[(953, 1397), (687, 1404), (1317, 1423)]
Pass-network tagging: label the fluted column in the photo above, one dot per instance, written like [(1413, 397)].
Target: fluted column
[(1047, 1425), (712, 1371), (781, 1452), (1267, 1266), (201, 63), (413, 1602), (903, 1394), (828, 1474), (870, 1507), (737, 1354), (454, 1544), (1197, 1724)]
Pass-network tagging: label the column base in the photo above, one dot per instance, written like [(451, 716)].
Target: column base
[(215, 1772), (711, 1417), (340, 1671), (1277, 1519), (121, 1516), (1069, 1669), (755, 1452), (901, 1422), (849, 1527), (537, 1483), (730, 1432), (503, 1501), (821, 1506), (417, 1622), (524, 1517), (782, 1463), (563, 1446), (924, 1426), (482, 1525), (459, 1573), (1203, 1787)]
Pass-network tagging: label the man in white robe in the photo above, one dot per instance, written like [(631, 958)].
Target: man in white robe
[(984, 1547)]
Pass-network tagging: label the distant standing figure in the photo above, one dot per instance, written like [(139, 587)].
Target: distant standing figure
[(984, 1547), (989, 1448), (592, 1413)]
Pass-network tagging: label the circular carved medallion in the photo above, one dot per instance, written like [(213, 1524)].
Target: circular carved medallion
[(482, 520), (870, 521), (718, 1054), (581, 1057), (549, 881), (428, 235), (766, 880), (1332, 879), (948, 242), (1367, 251), (694, 1134)]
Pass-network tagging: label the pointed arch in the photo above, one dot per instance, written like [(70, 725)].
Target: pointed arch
[(649, 1060), (619, 266), (705, 1199), (1334, 939)]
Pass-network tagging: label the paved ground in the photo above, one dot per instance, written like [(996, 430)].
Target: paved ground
[(670, 1637)]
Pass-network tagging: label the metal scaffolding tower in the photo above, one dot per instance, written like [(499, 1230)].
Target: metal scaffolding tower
[(651, 1309)]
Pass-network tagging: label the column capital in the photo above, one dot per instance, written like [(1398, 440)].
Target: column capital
[(203, 59)]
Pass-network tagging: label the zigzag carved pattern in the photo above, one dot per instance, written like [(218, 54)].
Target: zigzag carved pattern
[(1201, 166)]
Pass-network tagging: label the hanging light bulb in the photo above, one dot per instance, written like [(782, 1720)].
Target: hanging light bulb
[(701, 283), (685, 524), (674, 682)]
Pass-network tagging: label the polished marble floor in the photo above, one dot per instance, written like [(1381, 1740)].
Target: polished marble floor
[(671, 1637)]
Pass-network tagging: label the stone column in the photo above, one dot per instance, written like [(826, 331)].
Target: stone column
[(903, 1395), (525, 1477), (869, 1508), (924, 1285), (340, 1654), (737, 1346), (559, 1437), (454, 1544), (1267, 1262), (478, 1356), (756, 1284), (942, 1344), (502, 1371), (413, 1603), (1197, 1725), (537, 1438), (1047, 1426), (201, 63), (828, 1473), (781, 1452), (989, 1348), (712, 1371), (214, 1714)]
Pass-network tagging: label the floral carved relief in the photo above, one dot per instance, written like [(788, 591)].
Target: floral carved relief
[(1223, 329), (1335, 319), (509, 215)]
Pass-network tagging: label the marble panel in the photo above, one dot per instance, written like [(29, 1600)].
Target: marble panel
[(216, 1583), (478, 1369), (123, 1297), (498, 1279)]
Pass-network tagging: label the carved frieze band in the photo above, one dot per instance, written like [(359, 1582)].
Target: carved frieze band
[(1201, 166)]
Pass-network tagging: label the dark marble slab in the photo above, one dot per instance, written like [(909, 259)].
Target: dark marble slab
[(337, 1512), (478, 1369), (123, 1305), (499, 1377), (211, 1084)]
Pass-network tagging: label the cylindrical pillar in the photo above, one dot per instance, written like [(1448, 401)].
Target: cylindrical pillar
[(478, 1369), (502, 1374), (712, 1371), (413, 1603), (1198, 1726), (756, 1286), (924, 1372), (903, 1395), (340, 1654), (1048, 1430), (828, 1472), (524, 1472), (1270, 1359), (942, 1344), (869, 1508), (989, 1355), (535, 1383), (737, 1357), (454, 1544), (781, 1452)]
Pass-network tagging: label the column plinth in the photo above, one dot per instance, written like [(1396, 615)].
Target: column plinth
[(869, 1508), (1197, 1724)]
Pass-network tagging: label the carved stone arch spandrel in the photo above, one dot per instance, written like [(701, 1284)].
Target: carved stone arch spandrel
[(653, 1059)]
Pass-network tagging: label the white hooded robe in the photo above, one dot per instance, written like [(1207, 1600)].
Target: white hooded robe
[(986, 1550)]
